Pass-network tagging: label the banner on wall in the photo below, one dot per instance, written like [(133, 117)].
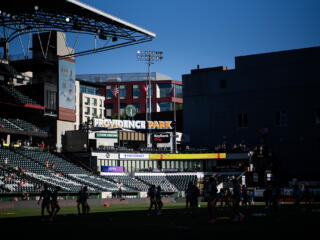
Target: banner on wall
[(134, 156), (188, 156), (132, 124), (67, 88), (112, 169), (105, 155)]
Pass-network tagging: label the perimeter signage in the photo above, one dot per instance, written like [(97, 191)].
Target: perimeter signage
[(132, 124), (188, 156), (160, 138), (134, 156)]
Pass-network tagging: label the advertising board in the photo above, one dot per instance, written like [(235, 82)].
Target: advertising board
[(189, 156), (132, 124), (160, 138), (134, 156), (111, 169), (67, 88)]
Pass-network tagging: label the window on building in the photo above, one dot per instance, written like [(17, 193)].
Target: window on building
[(87, 110), (93, 101), (136, 91), (100, 103), (87, 101), (137, 106), (122, 108), (109, 110), (94, 112), (242, 120), (100, 113), (165, 90), (165, 106), (123, 92), (179, 106), (90, 90), (178, 91), (281, 118), (109, 93), (223, 83)]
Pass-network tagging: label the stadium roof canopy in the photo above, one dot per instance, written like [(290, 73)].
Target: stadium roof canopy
[(35, 16)]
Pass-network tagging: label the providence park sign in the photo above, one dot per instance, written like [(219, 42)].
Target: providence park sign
[(132, 124)]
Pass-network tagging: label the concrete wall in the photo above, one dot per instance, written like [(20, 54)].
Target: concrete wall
[(62, 127)]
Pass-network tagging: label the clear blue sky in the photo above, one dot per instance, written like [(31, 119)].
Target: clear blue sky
[(206, 32)]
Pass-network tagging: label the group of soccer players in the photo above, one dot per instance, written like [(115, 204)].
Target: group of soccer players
[(211, 196), (50, 201), (155, 199)]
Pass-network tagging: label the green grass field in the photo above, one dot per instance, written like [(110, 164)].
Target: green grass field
[(31, 212), (133, 219)]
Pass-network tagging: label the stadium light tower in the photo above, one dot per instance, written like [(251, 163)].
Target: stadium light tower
[(149, 57)]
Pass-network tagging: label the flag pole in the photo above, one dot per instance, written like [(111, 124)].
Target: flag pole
[(175, 122), (118, 86)]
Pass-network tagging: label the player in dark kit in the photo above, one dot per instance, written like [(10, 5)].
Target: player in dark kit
[(194, 194), (84, 200), (78, 200), (55, 208), (152, 196), (158, 200), (211, 195), (238, 216), (45, 196)]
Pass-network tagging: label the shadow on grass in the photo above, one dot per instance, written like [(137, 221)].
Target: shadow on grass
[(258, 220)]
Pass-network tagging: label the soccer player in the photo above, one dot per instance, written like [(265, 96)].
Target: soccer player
[(45, 196), (188, 194), (238, 216), (195, 193), (55, 208), (211, 194), (84, 201), (152, 196), (79, 201), (158, 200)]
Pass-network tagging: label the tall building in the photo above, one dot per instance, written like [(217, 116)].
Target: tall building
[(132, 90), (269, 98), (90, 102)]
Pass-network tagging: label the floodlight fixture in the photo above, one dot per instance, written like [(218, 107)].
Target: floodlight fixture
[(149, 57)]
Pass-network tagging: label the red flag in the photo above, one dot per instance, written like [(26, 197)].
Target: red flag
[(115, 91), (146, 89)]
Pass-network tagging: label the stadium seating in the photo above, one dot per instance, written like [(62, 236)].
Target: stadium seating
[(158, 180), (71, 172), (18, 96), (128, 182), (4, 123), (38, 172), (181, 181), (26, 126), (12, 183), (71, 177), (20, 125)]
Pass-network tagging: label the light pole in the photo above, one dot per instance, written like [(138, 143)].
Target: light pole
[(149, 57)]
